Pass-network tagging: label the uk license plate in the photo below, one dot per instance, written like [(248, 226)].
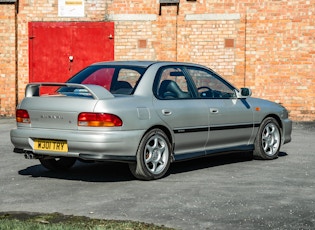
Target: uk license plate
[(51, 145)]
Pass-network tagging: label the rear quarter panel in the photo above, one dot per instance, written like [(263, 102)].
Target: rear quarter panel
[(136, 112)]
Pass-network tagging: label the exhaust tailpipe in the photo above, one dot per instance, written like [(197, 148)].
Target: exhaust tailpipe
[(29, 156)]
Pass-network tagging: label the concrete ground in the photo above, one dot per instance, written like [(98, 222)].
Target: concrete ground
[(223, 192)]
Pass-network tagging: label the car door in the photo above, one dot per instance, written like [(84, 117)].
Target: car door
[(230, 118), (177, 105)]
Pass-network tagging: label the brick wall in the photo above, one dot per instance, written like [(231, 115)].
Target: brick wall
[(281, 54), (7, 59), (268, 46)]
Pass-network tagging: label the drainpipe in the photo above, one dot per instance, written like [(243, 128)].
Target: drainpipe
[(16, 53), (245, 49)]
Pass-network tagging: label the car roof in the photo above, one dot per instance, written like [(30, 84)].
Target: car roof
[(140, 63), (134, 63)]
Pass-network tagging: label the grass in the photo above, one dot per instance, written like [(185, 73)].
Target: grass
[(57, 221)]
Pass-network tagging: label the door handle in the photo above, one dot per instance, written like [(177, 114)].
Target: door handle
[(214, 110), (166, 112)]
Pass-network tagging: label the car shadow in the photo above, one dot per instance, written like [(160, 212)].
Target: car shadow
[(282, 154), (118, 172), (90, 172), (213, 161), (210, 161)]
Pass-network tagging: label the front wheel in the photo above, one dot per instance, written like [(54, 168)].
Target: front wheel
[(58, 164), (153, 156), (268, 140)]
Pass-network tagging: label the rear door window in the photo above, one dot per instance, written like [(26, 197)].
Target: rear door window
[(173, 84)]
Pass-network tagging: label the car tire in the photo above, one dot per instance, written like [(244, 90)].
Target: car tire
[(153, 156), (268, 140), (58, 164)]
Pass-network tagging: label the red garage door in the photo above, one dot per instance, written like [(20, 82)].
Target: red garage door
[(57, 50)]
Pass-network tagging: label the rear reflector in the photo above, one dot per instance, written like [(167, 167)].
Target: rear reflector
[(99, 120), (22, 116)]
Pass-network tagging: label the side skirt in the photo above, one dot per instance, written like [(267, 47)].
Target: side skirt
[(188, 156)]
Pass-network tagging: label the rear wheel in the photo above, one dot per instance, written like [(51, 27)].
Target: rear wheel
[(268, 140), (58, 164), (153, 156)]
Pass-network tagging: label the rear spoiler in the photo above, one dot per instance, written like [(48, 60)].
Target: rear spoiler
[(96, 91)]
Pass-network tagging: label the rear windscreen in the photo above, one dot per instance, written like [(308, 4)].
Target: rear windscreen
[(116, 79)]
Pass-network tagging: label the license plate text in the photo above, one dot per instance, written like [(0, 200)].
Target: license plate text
[(51, 145)]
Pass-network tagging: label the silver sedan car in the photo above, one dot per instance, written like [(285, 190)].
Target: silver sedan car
[(147, 114)]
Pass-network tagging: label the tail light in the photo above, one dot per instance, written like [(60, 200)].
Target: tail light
[(99, 120), (22, 116)]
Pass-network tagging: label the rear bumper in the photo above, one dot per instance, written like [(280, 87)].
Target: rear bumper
[(86, 145)]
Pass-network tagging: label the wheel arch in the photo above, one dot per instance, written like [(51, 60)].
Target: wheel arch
[(276, 117)]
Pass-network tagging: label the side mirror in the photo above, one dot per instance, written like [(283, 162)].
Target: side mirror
[(245, 92)]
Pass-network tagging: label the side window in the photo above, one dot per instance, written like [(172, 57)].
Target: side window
[(126, 81), (129, 75), (210, 85), (172, 84)]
